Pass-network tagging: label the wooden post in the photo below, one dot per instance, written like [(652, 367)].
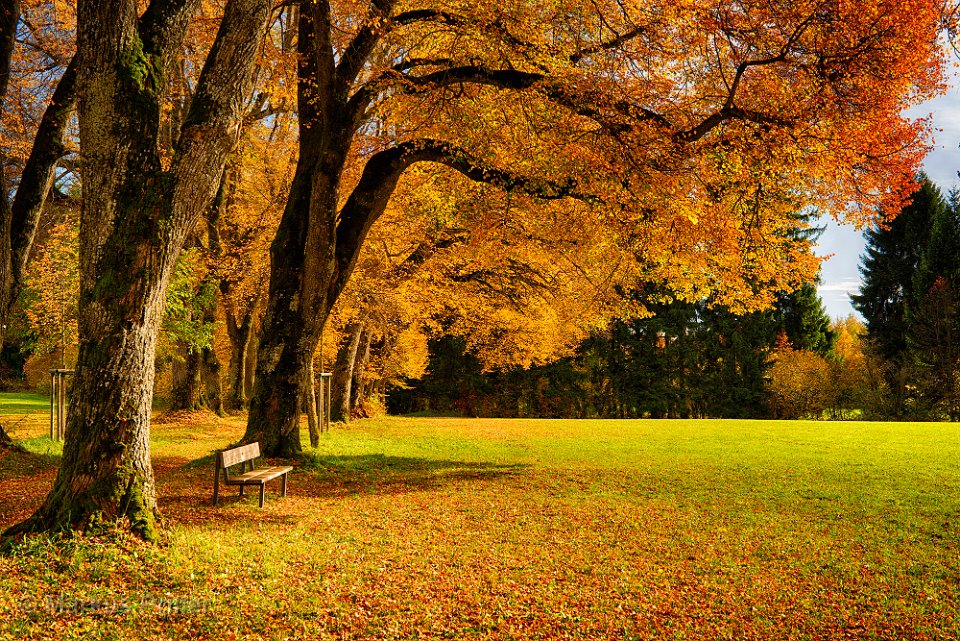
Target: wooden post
[(58, 403), (325, 400), (329, 378), (53, 390), (62, 414)]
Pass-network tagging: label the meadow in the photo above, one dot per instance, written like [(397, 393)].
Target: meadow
[(407, 528)]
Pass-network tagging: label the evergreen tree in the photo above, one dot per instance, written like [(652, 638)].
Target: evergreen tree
[(901, 256), (805, 321), (893, 255), (932, 318)]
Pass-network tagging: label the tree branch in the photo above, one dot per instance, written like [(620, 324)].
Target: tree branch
[(382, 172), (358, 51), (164, 25), (212, 125), (38, 172), (613, 43)]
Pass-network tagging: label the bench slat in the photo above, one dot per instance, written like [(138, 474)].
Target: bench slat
[(240, 454), (258, 476)]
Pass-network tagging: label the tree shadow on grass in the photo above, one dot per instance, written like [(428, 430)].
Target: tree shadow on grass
[(186, 491), (25, 479), (335, 476)]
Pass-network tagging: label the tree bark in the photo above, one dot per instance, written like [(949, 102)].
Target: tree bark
[(310, 402), (358, 386), (342, 384), (185, 391), (134, 220)]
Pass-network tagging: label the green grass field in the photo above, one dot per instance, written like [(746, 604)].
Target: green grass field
[(435, 528), (23, 403)]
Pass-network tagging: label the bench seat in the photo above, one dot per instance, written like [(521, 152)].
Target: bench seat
[(258, 477)]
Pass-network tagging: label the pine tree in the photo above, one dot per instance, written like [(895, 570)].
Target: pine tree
[(893, 254), (932, 318), (891, 268), (802, 316)]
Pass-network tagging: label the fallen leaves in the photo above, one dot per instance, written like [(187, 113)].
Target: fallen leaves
[(442, 528)]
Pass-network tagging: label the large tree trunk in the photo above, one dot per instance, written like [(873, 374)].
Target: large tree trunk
[(134, 220), (302, 263), (298, 302), (342, 384)]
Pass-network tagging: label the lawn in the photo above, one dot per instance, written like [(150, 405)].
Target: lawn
[(23, 403), (406, 528)]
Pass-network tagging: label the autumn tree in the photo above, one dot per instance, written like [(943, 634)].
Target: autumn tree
[(699, 129), (137, 209), (239, 229), (800, 383), (37, 84), (53, 283), (450, 257)]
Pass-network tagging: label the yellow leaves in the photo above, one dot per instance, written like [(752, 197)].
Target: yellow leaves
[(800, 383), (52, 286)]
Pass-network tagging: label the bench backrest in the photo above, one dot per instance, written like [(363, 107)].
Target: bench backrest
[(240, 454)]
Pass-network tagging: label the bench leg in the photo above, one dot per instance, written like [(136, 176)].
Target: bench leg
[(216, 484), (262, 486), (284, 484), (241, 491)]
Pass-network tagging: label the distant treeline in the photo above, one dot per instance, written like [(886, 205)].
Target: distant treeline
[(694, 360), (688, 360)]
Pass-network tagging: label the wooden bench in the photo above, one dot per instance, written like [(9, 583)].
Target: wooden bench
[(242, 456)]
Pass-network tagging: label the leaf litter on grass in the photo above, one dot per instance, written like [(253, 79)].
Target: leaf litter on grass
[(594, 530)]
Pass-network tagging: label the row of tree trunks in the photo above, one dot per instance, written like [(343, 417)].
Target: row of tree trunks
[(358, 387), (196, 381), (242, 345), (197, 372), (341, 387), (185, 393)]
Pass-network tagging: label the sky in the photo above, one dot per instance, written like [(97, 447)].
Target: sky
[(839, 274)]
